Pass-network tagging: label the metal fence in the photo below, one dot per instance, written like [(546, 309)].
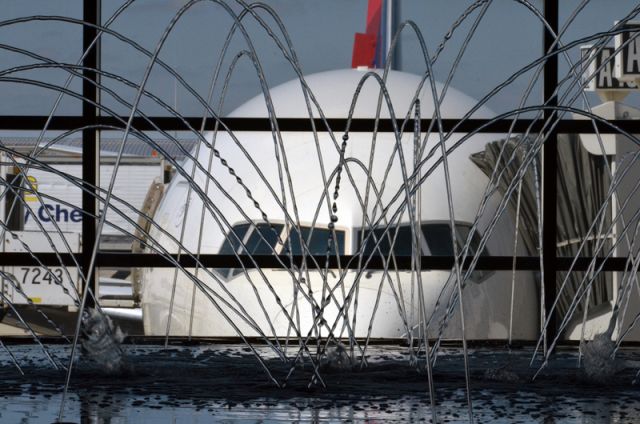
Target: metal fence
[(93, 122)]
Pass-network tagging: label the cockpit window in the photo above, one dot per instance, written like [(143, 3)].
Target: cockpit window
[(401, 242), (462, 231), (263, 239), (233, 241), (438, 237), (316, 240), (269, 239), (436, 241), (254, 244)]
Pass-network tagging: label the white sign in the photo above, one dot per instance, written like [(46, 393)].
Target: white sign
[(600, 72), (41, 285), (628, 64)]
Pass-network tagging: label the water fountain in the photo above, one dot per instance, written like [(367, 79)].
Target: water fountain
[(325, 298)]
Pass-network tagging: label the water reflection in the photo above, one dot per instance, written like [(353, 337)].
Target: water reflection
[(105, 408), (219, 383), (102, 408)]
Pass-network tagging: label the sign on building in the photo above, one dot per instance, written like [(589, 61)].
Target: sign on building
[(628, 60), (600, 73)]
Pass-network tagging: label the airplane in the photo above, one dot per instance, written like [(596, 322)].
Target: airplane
[(306, 193)]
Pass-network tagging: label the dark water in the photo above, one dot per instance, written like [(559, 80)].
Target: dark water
[(223, 383)]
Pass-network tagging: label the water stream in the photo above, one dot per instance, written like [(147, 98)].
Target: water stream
[(308, 335)]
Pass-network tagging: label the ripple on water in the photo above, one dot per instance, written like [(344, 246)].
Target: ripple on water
[(196, 384)]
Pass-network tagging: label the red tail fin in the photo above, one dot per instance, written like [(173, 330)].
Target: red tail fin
[(364, 50), (364, 45)]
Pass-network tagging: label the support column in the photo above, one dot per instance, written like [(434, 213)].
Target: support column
[(550, 168), (90, 139)]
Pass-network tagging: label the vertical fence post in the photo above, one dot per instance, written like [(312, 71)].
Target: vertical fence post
[(550, 166), (90, 139)]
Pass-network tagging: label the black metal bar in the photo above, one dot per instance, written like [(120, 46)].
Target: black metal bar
[(443, 263), (36, 259), (141, 340), (550, 167), (90, 138), (565, 126)]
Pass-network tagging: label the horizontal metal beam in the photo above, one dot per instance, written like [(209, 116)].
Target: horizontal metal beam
[(566, 126), (139, 339), (142, 260)]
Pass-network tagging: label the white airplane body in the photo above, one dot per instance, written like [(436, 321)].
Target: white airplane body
[(226, 215)]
